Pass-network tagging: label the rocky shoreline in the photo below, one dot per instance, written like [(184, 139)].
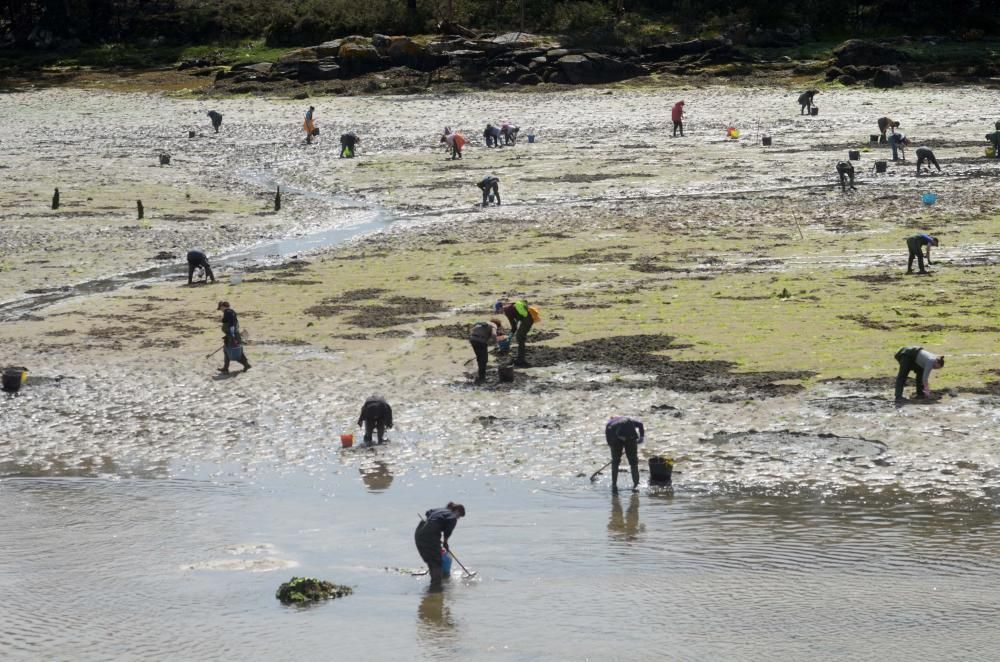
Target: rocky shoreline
[(401, 64)]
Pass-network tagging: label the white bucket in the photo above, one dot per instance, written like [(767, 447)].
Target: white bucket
[(236, 279)]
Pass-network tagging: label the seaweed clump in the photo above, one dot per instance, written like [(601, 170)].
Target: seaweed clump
[(303, 590)]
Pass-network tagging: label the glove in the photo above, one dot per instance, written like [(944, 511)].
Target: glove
[(445, 545)]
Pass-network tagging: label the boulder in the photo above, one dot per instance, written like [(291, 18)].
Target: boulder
[(529, 79), (527, 55), (256, 67), (668, 52), (846, 79), (325, 69), (356, 59), (464, 56), (889, 76), (867, 53), (538, 63), (298, 56), (833, 73), (596, 68), (514, 40), (405, 52), (938, 77)]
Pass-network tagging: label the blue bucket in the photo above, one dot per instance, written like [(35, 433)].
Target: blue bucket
[(929, 198), (531, 137), (234, 353), (445, 563)]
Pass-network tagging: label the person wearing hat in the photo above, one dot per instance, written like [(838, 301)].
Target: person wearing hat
[(624, 434), (845, 170), (481, 336), (232, 342), (198, 260), (921, 363), (432, 535), (898, 142), (376, 414), (677, 116), (521, 322), (914, 245)]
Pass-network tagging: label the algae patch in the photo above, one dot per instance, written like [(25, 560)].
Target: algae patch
[(303, 590)]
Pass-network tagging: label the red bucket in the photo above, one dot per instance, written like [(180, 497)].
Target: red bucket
[(347, 440)]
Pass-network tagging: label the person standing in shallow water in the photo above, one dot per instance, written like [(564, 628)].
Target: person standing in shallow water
[(432, 536), (624, 434)]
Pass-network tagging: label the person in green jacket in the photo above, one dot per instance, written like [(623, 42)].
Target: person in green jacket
[(521, 322)]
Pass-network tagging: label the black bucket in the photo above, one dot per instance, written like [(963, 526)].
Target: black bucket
[(880, 166), (506, 373), (13, 378), (854, 155), (873, 138), (766, 141), (661, 470), (814, 111)]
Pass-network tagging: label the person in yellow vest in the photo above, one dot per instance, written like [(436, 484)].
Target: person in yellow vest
[(309, 126), (521, 317)]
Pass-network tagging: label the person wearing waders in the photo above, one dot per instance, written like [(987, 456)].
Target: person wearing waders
[(925, 154), (216, 118), (806, 102), (432, 536), (198, 260), (886, 124), (845, 170), (624, 434), (994, 139), (509, 133), (481, 336), (232, 342), (914, 245), (898, 142), (491, 189), (348, 143), (376, 414), (455, 142), (677, 117), (309, 125), (921, 363), (520, 323), (492, 136)]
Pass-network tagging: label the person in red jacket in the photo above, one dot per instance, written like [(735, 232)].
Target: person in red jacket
[(677, 115)]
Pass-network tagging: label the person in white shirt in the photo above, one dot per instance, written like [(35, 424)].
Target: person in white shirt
[(921, 362)]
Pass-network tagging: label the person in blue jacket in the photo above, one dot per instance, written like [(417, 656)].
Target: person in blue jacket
[(914, 245), (432, 536), (624, 434)]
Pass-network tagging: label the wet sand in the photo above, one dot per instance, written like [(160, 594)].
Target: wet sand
[(728, 295)]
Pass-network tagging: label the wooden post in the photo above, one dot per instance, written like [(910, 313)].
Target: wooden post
[(277, 200), (138, 207), (55, 199)]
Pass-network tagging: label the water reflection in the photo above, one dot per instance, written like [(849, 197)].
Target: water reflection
[(625, 526), (378, 477), (435, 624)]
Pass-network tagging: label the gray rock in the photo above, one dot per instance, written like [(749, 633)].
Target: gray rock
[(846, 79), (325, 69), (866, 53), (529, 79), (889, 76), (597, 68)]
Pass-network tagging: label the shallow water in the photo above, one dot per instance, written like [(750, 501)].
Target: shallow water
[(181, 567)]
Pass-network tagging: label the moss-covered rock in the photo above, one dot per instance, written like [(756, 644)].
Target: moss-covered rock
[(303, 590)]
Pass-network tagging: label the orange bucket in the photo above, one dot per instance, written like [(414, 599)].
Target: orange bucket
[(347, 440)]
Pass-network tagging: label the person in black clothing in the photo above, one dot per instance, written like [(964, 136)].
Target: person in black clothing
[(914, 245), (348, 143), (481, 336), (198, 260), (376, 414), (806, 102), (624, 434), (216, 118), (490, 185), (925, 154), (432, 535), (492, 136), (845, 170), (232, 342)]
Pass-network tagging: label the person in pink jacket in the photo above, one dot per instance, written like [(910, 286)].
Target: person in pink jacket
[(677, 115)]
